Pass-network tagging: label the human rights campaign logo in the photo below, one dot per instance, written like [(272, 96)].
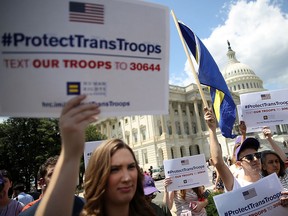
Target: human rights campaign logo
[(73, 88)]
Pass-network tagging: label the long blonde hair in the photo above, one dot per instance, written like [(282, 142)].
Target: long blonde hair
[(96, 178)]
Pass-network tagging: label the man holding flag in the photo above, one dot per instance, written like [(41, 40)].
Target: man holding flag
[(210, 75), (225, 110)]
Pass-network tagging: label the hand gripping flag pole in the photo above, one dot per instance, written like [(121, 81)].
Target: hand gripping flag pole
[(209, 75)]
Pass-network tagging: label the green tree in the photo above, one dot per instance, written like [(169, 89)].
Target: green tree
[(25, 143)]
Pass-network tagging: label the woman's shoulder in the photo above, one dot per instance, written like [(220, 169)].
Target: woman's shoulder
[(14, 207)]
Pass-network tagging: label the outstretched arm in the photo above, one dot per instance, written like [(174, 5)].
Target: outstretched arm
[(268, 135), (243, 129), (216, 152), (168, 197), (59, 196)]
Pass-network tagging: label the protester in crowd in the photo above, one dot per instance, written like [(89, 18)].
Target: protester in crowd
[(34, 193), (274, 161), (113, 180), (234, 168), (218, 183), (271, 162), (44, 176), (20, 195), (7, 206), (150, 170), (268, 135), (124, 191), (146, 173), (188, 200), (150, 192), (247, 157)]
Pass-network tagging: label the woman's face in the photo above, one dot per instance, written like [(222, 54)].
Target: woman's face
[(271, 164), (7, 186), (122, 181)]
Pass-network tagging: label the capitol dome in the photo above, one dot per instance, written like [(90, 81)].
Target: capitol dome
[(240, 78)]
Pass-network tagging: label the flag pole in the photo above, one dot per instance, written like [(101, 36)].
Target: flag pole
[(190, 60)]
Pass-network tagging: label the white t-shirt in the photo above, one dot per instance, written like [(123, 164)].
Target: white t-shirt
[(240, 182)]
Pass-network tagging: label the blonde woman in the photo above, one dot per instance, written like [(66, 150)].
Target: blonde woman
[(113, 181)]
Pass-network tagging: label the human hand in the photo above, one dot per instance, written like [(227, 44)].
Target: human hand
[(74, 119), (193, 205), (210, 118), (167, 181), (242, 128), (267, 132), (197, 206)]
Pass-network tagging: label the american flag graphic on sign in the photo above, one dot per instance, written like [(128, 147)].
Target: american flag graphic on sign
[(249, 193), (185, 162), (265, 96), (86, 12)]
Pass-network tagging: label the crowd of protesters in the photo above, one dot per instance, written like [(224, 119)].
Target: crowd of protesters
[(116, 185)]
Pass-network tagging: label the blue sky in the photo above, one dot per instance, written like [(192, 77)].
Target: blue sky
[(257, 31)]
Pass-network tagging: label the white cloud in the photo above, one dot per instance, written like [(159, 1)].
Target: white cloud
[(257, 31)]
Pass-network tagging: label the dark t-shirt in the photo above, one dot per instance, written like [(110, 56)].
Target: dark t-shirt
[(77, 207), (161, 209)]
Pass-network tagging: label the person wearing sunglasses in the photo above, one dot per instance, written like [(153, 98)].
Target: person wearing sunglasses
[(247, 157), (150, 192)]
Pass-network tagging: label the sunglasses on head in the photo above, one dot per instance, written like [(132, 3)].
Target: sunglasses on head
[(250, 157)]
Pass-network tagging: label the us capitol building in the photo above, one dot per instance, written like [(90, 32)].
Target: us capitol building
[(183, 132)]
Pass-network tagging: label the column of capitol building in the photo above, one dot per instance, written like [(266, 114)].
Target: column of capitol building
[(183, 132)]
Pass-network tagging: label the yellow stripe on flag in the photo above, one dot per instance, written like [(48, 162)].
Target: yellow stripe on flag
[(219, 96)]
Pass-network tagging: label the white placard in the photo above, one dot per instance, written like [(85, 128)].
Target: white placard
[(88, 150), (265, 108), (260, 198), (186, 172), (116, 52), (248, 129)]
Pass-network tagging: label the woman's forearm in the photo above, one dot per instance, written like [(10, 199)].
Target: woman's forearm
[(61, 189)]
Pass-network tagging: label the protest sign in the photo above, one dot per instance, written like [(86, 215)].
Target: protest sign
[(253, 199), (265, 108), (186, 172), (112, 51), (88, 150), (248, 129)]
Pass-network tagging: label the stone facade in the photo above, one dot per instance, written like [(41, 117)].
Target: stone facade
[(183, 132)]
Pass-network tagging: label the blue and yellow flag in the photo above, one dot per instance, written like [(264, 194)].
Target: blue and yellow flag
[(210, 75)]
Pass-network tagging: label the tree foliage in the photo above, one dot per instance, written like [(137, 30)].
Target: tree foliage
[(26, 143)]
